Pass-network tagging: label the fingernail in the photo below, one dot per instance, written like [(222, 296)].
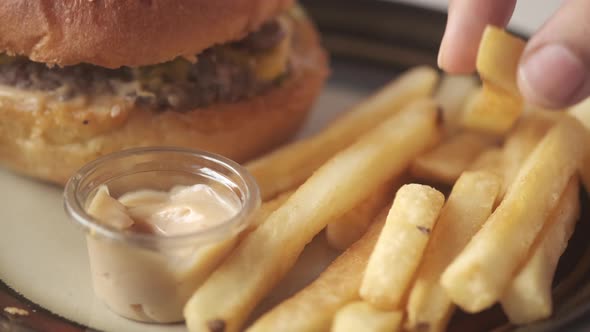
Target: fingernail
[(551, 76), (439, 59)]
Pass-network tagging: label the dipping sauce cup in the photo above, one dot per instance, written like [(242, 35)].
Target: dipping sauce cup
[(148, 276)]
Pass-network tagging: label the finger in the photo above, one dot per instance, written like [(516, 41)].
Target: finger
[(554, 69), (465, 24)]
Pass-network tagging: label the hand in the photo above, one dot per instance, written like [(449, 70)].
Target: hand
[(554, 69)]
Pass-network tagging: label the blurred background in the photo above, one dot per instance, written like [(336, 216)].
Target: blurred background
[(529, 14), (402, 33)]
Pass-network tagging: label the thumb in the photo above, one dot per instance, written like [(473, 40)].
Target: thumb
[(554, 71)]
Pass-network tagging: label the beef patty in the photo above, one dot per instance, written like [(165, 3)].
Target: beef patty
[(223, 73)]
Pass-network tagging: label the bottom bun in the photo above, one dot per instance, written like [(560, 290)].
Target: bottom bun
[(51, 144)]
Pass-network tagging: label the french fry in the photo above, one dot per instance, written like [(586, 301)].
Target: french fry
[(265, 255), (529, 298), (481, 273), (361, 316), (268, 207), (291, 165), (400, 246), (347, 229), (467, 208), (498, 57), (451, 95), (581, 111), (522, 141), (212, 255), (446, 162), (499, 104), (313, 308), (490, 160), (491, 110)]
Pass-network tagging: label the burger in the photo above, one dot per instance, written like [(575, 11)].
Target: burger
[(83, 78)]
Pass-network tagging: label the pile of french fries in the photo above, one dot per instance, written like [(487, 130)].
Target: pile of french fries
[(411, 254)]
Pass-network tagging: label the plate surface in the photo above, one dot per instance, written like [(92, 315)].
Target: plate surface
[(43, 261)]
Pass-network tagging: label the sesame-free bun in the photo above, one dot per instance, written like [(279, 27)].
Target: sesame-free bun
[(51, 142), (115, 33)]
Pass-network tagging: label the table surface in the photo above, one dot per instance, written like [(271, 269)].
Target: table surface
[(528, 16)]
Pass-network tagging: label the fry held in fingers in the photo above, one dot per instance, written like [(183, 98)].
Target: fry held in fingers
[(291, 165), (499, 104), (266, 254), (400, 246), (467, 208), (478, 277), (361, 316), (489, 110), (498, 57), (313, 308), (529, 297)]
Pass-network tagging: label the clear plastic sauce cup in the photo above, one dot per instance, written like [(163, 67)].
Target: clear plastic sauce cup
[(146, 276)]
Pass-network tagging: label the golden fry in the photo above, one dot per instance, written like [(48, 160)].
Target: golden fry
[(361, 316), (490, 160), (498, 57), (479, 275), (268, 207), (467, 208), (400, 246), (491, 110), (345, 230), (529, 298), (291, 165), (522, 141), (267, 253), (499, 104), (446, 162), (313, 308)]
